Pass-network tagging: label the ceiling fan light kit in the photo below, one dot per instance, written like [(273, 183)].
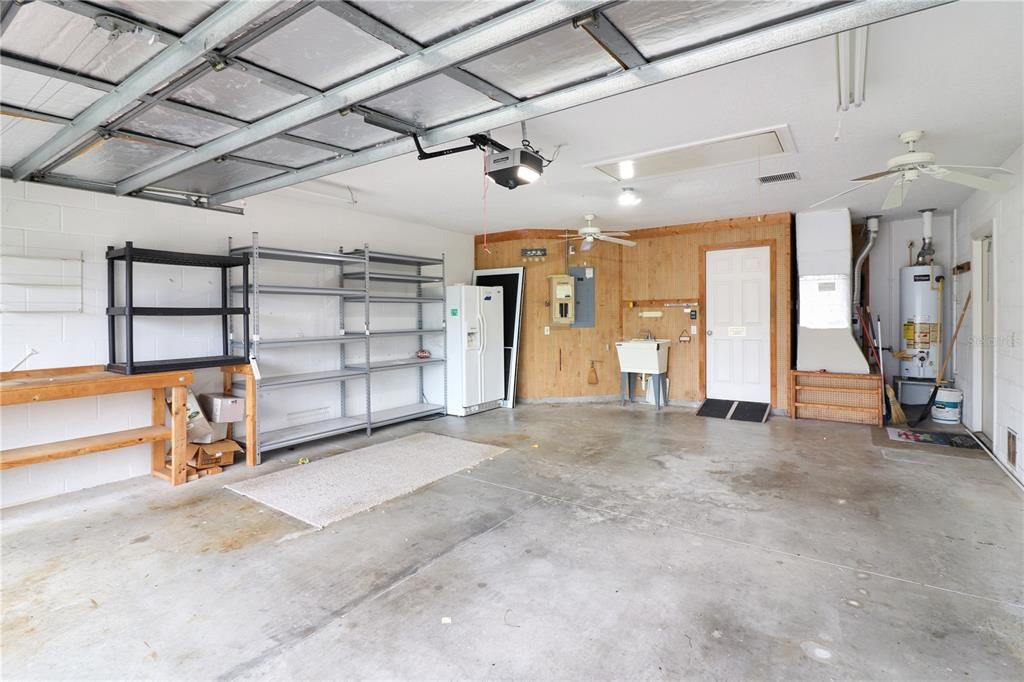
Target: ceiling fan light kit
[(908, 167), (589, 235)]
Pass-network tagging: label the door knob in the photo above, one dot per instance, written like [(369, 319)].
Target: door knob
[(708, 332)]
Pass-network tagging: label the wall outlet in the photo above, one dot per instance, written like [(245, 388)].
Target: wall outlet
[(693, 329), (547, 331)]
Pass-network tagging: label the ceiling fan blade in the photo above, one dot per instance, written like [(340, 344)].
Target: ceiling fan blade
[(995, 169), (984, 184), (897, 193), (873, 176), (615, 240), (616, 234), (587, 245), (845, 191)]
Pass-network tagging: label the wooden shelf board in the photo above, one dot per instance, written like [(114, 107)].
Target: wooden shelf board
[(37, 387), (867, 391), (823, 406), (33, 454)]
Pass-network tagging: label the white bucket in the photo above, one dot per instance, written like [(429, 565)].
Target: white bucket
[(948, 403)]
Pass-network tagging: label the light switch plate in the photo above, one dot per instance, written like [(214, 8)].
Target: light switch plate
[(547, 331), (693, 329)]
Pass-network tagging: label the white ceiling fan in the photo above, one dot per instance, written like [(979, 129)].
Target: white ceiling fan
[(590, 234), (907, 168)]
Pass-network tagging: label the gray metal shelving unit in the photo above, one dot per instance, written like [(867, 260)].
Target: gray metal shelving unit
[(355, 275), (370, 273)]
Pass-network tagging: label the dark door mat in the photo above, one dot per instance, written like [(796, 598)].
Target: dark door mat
[(712, 407), (956, 440), (751, 412)]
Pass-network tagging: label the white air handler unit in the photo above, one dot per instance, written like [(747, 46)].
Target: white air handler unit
[(475, 328)]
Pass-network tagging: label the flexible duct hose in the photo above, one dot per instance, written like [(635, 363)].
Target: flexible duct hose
[(872, 237)]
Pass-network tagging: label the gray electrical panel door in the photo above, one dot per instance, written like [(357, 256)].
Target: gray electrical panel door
[(584, 296)]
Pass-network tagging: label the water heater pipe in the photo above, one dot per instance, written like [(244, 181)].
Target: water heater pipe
[(927, 252), (872, 237)]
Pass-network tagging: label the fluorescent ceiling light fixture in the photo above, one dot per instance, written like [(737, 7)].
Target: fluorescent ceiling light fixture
[(722, 151), (629, 197), (851, 66)]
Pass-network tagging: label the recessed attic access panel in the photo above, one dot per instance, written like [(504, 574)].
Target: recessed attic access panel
[(722, 151)]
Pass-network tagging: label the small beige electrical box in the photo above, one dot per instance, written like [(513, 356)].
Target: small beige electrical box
[(563, 299)]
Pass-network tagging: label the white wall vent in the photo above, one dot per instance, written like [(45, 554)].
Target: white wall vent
[(779, 177)]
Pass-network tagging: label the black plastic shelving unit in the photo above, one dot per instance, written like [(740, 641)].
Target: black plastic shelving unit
[(130, 255)]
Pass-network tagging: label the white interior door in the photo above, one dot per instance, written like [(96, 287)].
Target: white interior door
[(987, 346), (738, 349)]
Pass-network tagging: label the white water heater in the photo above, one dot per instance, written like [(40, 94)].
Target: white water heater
[(921, 320)]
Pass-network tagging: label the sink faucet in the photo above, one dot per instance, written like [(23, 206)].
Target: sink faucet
[(647, 334)]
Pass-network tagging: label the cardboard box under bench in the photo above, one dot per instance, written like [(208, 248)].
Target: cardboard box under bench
[(208, 455)]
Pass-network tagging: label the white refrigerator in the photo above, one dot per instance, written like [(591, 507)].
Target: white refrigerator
[(476, 367)]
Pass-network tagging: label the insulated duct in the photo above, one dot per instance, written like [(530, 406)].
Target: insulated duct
[(824, 251)]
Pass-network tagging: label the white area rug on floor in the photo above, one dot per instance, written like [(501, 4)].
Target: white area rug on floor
[(340, 486)]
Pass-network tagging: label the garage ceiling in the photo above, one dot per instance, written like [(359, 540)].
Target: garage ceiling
[(204, 103), (956, 71)]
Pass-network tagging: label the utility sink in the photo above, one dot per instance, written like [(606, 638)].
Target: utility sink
[(643, 356)]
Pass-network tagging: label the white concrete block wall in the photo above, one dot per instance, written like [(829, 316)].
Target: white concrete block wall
[(42, 220), (1005, 213)]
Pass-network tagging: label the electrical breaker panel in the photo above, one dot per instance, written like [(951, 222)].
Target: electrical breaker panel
[(563, 299)]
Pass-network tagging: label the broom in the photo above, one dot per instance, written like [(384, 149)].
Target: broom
[(896, 414), (942, 370)]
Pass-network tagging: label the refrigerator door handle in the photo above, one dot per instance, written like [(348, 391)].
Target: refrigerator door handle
[(481, 321)]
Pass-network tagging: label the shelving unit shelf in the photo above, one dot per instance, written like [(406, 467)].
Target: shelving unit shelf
[(356, 272), (131, 255)]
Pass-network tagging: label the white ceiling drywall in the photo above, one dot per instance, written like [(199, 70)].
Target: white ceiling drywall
[(954, 71)]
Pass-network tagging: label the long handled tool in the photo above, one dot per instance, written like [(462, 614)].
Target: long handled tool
[(945, 361)]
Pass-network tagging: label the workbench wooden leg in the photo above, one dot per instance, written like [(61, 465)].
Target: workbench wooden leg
[(228, 376), (251, 435), (179, 435), (159, 452)]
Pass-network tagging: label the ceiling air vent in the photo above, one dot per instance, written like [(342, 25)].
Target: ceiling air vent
[(778, 177)]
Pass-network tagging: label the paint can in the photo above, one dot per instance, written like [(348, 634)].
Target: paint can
[(948, 404)]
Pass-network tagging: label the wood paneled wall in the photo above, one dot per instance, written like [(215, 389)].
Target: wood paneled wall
[(665, 267)]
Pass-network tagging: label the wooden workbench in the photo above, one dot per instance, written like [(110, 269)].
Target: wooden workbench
[(251, 433), (62, 383)]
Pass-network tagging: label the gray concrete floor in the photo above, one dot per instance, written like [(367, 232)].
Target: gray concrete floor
[(606, 543)]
